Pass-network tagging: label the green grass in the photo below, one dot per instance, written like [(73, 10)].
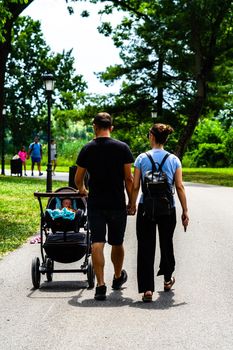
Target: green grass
[(212, 176), (19, 210)]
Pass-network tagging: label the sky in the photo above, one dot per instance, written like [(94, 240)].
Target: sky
[(92, 51)]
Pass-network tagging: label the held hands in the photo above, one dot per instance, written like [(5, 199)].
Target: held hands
[(185, 220), (131, 209)]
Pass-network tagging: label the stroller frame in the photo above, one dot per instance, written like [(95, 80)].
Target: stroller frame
[(47, 265)]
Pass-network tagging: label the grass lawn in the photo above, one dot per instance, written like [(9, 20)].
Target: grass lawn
[(19, 210), (212, 176)]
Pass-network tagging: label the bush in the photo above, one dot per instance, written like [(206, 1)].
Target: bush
[(210, 155), (228, 146)]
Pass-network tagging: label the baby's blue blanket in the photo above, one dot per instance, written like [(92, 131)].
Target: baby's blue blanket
[(61, 213)]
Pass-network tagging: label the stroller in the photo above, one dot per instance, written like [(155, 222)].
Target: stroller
[(63, 240)]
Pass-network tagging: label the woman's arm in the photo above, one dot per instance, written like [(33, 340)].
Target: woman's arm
[(182, 197), (134, 191)]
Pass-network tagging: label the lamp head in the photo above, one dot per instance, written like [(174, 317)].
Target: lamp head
[(48, 82)]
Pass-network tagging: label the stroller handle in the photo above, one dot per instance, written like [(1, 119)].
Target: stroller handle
[(59, 194)]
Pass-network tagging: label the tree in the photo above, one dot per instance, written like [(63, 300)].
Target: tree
[(30, 57), (170, 51), (10, 10)]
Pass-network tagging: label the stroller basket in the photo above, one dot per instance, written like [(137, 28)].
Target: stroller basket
[(66, 247)]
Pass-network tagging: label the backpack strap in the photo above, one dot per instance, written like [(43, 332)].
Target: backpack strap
[(160, 166)]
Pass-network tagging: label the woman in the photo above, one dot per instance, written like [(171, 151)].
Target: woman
[(146, 228)]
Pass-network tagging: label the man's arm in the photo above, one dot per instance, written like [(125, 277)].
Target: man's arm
[(128, 179), (134, 192), (79, 180)]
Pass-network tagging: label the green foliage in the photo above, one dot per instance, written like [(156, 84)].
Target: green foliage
[(228, 143), (210, 146), (70, 137), (176, 58), (29, 59), (211, 155), (207, 131)]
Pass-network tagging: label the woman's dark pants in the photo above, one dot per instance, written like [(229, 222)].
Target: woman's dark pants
[(146, 236)]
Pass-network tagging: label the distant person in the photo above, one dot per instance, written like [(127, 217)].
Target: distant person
[(23, 155), (146, 226), (53, 156), (108, 163), (35, 151)]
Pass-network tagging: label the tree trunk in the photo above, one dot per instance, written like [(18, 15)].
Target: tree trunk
[(190, 127), (15, 10), (160, 87)]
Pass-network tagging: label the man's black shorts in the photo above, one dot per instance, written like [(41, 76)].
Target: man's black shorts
[(101, 219)]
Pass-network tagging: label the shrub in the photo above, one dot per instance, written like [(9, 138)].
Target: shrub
[(211, 155)]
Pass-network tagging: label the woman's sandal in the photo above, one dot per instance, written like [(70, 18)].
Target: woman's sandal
[(147, 297), (168, 285)]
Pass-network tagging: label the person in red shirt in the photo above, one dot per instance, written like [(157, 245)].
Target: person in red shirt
[(23, 156)]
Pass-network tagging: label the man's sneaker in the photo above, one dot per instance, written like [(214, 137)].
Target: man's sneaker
[(40, 174), (100, 292), (118, 282)]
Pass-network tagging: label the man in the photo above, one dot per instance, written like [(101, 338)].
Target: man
[(35, 151), (108, 163)]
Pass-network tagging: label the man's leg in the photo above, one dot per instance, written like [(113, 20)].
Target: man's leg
[(117, 257), (32, 166), (116, 231), (39, 168), (97, 251)]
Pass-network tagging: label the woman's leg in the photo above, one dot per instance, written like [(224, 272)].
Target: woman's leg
[(166, 227), (146, 236)]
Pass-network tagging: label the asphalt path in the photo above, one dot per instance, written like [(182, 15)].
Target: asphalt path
[(61, 176), (196, 314)]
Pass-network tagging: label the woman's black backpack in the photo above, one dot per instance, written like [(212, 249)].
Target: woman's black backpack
[(157, 192)]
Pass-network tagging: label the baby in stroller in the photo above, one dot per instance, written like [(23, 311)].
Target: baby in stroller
[(65, 214), (65, 238)]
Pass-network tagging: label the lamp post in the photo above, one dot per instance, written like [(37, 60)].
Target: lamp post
[(153, 114), (49, 86), (3, 140)]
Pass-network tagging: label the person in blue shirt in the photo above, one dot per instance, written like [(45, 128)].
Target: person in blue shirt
[(145, 227), (35, 151)]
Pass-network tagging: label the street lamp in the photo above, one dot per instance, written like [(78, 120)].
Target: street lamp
[(3, 141), (49, 86), (153, 114)]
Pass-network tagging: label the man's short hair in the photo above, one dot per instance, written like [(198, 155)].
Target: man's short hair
[(103, 120)]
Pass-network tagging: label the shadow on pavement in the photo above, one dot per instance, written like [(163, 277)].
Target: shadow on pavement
[(116, 299), (164, 301), (57, 287)]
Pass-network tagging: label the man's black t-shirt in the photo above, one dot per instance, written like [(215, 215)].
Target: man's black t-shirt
[(104, 159)]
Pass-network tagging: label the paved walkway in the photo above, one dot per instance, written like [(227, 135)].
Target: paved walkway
[(195, 315), (61, 176)]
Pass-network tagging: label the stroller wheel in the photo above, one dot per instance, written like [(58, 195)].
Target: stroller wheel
[(90, 275), (36, 272), (49, 267)]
